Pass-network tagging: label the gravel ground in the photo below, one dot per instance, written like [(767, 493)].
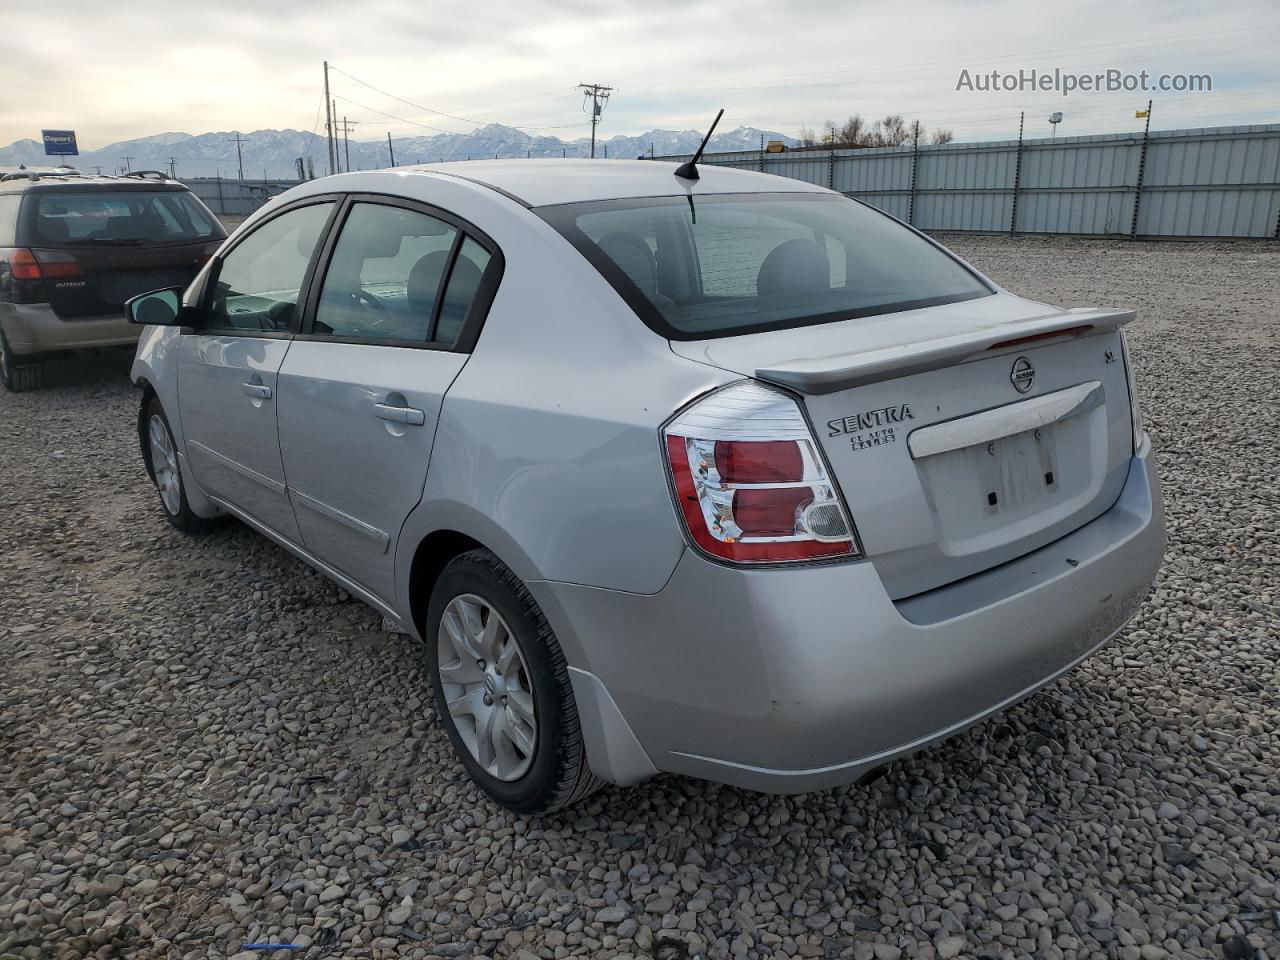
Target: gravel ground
[(205, 744)]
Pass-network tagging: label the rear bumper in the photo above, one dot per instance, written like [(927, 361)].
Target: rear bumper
[(32, 328), (794, 680)]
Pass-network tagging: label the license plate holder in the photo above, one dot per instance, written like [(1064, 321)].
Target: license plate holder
[(1016, 470)]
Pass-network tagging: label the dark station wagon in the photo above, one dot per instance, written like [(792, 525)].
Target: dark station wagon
[(74, 248)]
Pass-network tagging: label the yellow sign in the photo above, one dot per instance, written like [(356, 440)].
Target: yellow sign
[(1140, 114)]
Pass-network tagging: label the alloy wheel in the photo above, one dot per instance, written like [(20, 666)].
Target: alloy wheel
[(486, 687), (164, 464)]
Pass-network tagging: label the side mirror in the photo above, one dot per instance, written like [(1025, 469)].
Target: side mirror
[(159, 308)]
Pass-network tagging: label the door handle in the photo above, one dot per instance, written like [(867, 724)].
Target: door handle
[(411, 416), (259, 390)]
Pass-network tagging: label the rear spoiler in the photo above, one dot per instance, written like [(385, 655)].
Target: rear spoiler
[(828, 374)]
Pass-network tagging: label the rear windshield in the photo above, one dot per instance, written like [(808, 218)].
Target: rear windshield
[(122, 217), (726, 264)]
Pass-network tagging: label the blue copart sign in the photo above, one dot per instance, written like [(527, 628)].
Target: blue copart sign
[(60, 143)]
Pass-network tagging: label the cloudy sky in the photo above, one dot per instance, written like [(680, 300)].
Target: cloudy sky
[(118, 71)]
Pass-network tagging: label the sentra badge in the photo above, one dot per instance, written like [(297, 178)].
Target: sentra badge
[(870, 419)]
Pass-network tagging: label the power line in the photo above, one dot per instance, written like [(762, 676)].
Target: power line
[(427, 126), (312, 139), (392, 116), (599, 97), (419, 106)]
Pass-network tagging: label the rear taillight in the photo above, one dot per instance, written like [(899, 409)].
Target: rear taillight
[(750, 482), (44, 265), (1134, 410)]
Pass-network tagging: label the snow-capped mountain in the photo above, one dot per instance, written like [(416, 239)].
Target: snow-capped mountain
[(271, 153)]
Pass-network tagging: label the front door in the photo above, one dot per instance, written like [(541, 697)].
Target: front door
[(228, 366), (362, 386)]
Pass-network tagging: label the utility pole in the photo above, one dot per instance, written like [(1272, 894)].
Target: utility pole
[(346, 141), (599, 97), (127, 167), (1017, 177), (328, 118), (390, 149), (97, 169), (337, 151), (237, 140), (1142, 167), (173, 168)]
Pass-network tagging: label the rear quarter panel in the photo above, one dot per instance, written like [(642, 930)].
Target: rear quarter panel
[(547, 449)]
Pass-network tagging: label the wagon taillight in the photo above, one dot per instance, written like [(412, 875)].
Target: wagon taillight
[(44, 265)]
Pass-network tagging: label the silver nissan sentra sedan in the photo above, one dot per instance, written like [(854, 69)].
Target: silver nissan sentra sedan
[(726, 475)]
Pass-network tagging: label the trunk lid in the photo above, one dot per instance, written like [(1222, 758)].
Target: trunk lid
[(962, 436)]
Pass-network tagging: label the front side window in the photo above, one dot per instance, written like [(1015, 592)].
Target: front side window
[(258, 282), (122, 217), (385, 277), (728, 264)]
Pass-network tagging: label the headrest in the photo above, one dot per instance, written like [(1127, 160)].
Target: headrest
[(424, 281), (54, 229), (633, 257), (794, 267)]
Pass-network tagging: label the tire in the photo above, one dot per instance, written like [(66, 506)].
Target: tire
[(554, 774), (19, 377), (166, 474)]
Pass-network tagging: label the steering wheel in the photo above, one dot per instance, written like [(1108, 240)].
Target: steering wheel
[(374, 305)]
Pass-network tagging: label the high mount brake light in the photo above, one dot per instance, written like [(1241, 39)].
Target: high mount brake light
[(750, 482)]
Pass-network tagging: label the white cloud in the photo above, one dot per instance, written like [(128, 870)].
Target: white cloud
[(190, 66)]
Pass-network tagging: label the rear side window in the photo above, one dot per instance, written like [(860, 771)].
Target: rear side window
[(258, 281), (9, 219), (729, 264), (123, 217), (464, 282), (384, 279)]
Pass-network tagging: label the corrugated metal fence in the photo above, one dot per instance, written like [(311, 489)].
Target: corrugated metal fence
[(1212, 182), (236, 198)]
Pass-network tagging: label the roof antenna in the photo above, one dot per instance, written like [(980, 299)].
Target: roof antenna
[(689, 169)]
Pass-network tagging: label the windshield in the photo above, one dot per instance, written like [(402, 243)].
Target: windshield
[(727, 264), (122, 216)]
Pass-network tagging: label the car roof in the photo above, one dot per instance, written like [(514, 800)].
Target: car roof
[(44, 179), (544, 182)]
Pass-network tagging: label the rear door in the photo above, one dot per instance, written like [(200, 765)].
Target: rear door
[(362, 386), (228, 367)]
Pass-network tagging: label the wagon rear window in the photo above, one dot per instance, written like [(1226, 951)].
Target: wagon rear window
[(727, 264), (122, 217)]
